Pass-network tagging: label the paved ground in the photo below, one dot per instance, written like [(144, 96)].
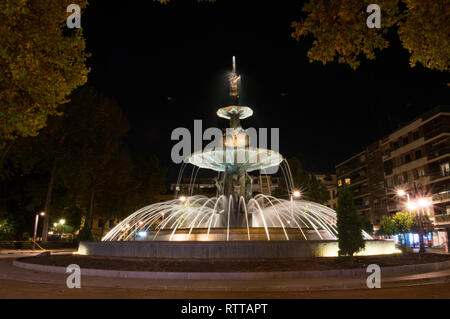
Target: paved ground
[(17, 289), (20, 283)]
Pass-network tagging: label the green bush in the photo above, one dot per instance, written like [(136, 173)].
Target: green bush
[(349, 225)]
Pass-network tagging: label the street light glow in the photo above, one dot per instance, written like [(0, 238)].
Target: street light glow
[(401, 192), (42, 213), (142, 234), (423, 202), (412, 205), (62, 221), (296, 194), (182, 198)]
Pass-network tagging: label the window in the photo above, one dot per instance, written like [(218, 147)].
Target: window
[(416, 135), (340, 183), (395, 145), (400, 179), (100, 223), (348, 181), (420, 172), (407, 158), (405, 140), (418, 154), (388, 167), (445, 169), (111, 223)]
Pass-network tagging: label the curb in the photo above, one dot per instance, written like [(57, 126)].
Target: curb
[(37, 252), (352, 273)]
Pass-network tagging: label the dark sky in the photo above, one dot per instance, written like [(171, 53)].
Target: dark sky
[(143, 53)]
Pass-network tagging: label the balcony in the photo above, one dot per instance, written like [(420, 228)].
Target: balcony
[(438, 175), (442, 219), (441, 197), (438, 152), (439, 129)]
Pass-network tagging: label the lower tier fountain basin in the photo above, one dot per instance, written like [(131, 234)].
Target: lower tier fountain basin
[(234, 249)]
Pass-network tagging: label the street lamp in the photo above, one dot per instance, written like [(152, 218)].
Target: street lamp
[(36, 221), (422, 203), (410, 205), (296, 194), (403, 193), (62, 222), (419, 206)]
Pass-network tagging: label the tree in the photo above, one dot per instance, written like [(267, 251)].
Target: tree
[(387, 227), (41, 64), (7, 228), (403, 224), (399, 223), (367, 226), (312, 188), (339, 31), (349, 226), (74, 148)]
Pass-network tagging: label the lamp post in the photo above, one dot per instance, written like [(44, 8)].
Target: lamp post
[(295, 194), (410, 205), (403, 193), (62, 222), (36, 221), (422, 203), (419, 206)]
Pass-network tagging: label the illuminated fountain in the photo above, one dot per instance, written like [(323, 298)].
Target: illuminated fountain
[(234, 216)]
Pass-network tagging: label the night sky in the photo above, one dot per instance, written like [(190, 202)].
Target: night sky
[(167, 65)]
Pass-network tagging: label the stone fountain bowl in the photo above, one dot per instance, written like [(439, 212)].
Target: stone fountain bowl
[(238, 246), (238, 234)]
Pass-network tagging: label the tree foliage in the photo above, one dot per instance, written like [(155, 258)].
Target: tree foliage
[(349, 225), (399, 223), (83, 152), (339, 30), (40, 62)]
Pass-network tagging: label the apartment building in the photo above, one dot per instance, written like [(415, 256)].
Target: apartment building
[(415, 158), (330, 183), (353, 174)]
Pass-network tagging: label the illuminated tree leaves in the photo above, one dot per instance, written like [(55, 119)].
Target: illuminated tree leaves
[(340, 32), (40, 64)]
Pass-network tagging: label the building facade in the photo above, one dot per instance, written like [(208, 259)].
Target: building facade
[(353, 174), (414, 158), (330, 183)]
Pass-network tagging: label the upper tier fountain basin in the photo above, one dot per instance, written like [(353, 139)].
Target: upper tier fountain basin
[(244, 159)]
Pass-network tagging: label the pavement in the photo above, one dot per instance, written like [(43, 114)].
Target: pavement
[(20, 283), (33, 252), (9, 272), (434, 250)]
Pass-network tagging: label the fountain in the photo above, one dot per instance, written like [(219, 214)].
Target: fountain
[(233, 224)]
